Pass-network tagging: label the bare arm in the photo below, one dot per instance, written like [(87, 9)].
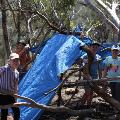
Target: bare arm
[(104, 72)]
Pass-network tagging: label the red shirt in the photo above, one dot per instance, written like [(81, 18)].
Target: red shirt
[(24, 59)]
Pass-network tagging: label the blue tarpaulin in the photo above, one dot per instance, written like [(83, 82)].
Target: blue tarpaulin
[(58, 55)]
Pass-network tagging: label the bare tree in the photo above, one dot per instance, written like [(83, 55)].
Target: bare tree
[(107, 13), (4, 28)]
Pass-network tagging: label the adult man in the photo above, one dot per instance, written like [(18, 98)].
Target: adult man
[(112, 69), (9, 85), (22, 51), (92, 74)]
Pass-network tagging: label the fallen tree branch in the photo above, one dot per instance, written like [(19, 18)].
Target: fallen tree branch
[(97, 81), (72, 95), (51, 109), (25, 98), (106, 97), (102, 16)]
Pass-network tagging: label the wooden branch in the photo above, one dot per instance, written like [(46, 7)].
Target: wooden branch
[(35, 38), (63, 109), (29, 24), (77, 85), (54, 27), (111, 12), (25, 98), (106, 97), (96, 81), (50, 24), (114, 5), (81, 3), (102, 17), (87, 32), (12, 13), (103, 5)]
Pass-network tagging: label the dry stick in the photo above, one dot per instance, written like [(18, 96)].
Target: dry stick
[(12, 13), (25, 98), (97, 81), (106, 97), (75, 88), (59, 93), (33, 104), (52, 109), (72, 95)]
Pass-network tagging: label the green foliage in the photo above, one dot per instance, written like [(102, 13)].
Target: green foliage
[(64, 14)]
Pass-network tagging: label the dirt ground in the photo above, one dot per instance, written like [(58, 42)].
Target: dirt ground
[(103, 110), (98, 103)]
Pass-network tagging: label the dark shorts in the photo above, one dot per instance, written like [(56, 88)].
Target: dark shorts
[(6, 99), (115, 90)]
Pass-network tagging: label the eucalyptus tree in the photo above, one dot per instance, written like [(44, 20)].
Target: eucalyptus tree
[(35, 20), (108, 13)]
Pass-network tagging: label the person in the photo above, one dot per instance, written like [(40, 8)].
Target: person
[(9, 77), (112, 69), (22, 50), (93, 74)]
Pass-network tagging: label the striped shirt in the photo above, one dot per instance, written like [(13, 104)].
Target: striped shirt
[(8, 80)]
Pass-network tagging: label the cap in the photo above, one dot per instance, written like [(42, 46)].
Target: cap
[(22, 42), (96, 43), (14, 56), (115, 47)]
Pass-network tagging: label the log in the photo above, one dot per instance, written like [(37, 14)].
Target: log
[(114, 103), (96, 81)]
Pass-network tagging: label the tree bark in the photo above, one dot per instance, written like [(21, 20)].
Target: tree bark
[(119, 34), (4, 29)]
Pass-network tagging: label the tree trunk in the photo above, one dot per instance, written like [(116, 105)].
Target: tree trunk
[(18, 25), (119, 34), (4, 29)]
